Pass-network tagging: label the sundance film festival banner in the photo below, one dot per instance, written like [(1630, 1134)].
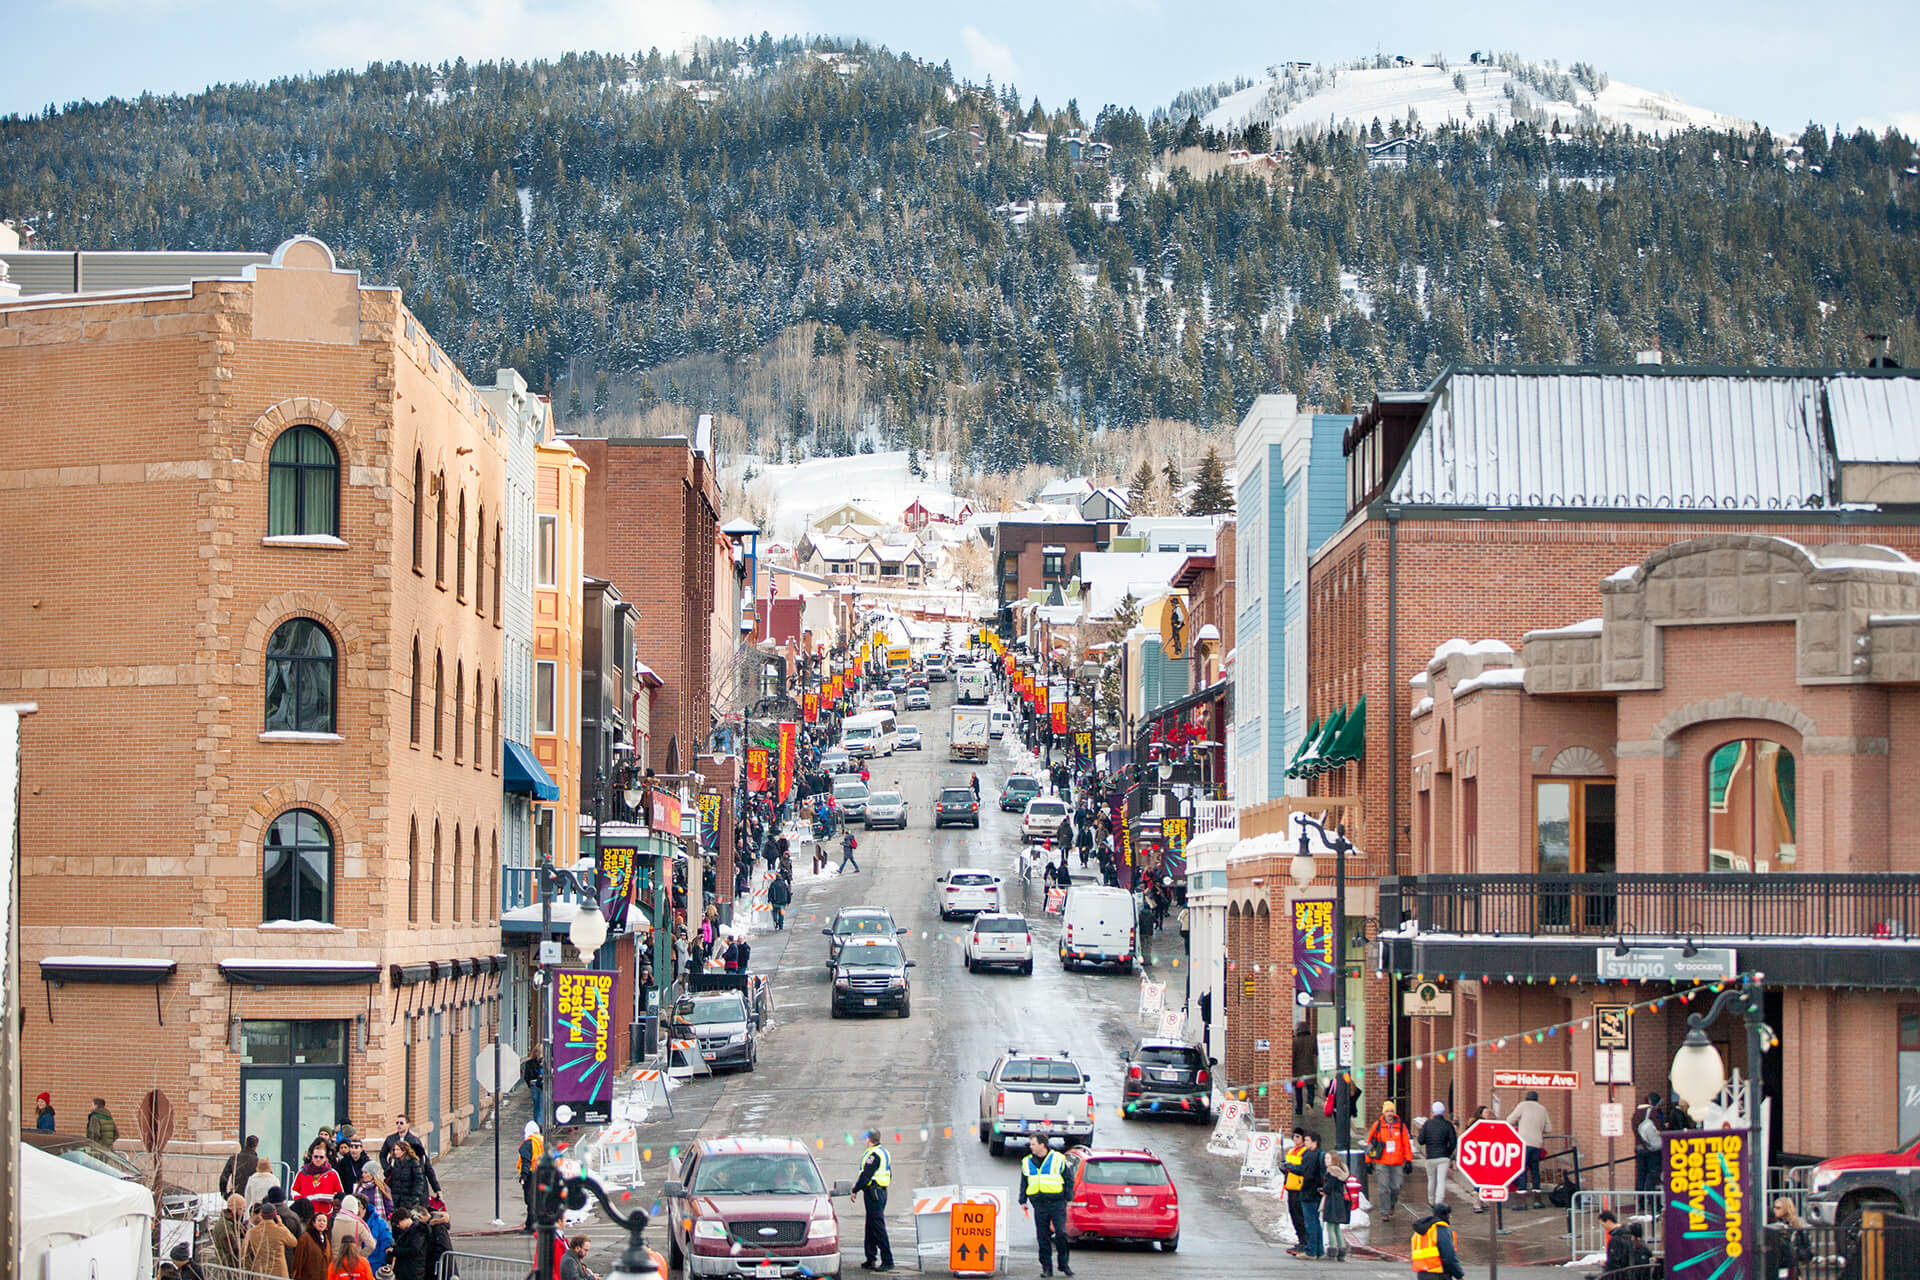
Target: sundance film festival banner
[(617, 863), (1707, 1234), (583, 1066), (1313, 949), (757, 768), (810, 707), (789, 756), (1057, 704)]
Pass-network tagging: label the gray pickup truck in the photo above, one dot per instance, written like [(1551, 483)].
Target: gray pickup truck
[(1034, 1093)]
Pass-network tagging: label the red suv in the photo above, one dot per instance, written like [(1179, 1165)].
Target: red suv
[(752, 1209), (1124, 1195)]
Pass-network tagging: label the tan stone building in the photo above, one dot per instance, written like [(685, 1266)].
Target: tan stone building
[(253, 528)]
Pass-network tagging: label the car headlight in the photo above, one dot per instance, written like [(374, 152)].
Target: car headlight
[(1821, 1180), (842, 983), (738, 1037), (709, 1229), (823, 1228)]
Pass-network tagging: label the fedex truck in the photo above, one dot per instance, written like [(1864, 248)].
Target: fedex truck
[(967, 734), (970, 685)]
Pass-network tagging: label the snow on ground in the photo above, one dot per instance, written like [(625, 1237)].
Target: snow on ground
[(797, 491), (1361, 96)]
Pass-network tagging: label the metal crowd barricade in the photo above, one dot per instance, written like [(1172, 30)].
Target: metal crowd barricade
[(1630, 1206), (216, 1271), (480, 1266)]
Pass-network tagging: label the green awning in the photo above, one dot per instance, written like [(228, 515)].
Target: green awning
[(1310, 764), (1351, 742), (1294, 759)]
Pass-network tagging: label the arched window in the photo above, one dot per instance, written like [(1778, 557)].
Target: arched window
[(493, 755), (479, 743), (493, 868), (480, 564), (497, 562), (459, 850), (460, 552), (419, 513), (303, 484), (440, 529), (475, 901), (459, 708), (300, 678), (297, 869), (439, 698), (413, 689), (433, 889), (1751, 807), (413, 871)]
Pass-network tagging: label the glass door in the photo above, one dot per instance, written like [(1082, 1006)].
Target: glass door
[(1574, 834), (293, 1082)]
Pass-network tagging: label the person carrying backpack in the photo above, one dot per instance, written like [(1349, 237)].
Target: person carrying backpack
[(847, 845), (526, 1161)]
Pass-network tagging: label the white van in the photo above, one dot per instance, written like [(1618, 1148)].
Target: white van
[(869, 734), (999, 720), (1097, 927)]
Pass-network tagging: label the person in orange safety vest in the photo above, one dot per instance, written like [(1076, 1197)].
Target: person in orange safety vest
[(1433, 1252)]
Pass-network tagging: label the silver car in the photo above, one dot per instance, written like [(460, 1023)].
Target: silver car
[(849, 796), (886, 809)]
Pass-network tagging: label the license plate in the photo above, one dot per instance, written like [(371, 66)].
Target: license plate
[(1169, 1075), (869, 1002), (709, 1055), (767, 1270), (1126, 1202)]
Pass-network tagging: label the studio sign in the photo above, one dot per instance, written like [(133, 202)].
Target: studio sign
[(1667, 964)]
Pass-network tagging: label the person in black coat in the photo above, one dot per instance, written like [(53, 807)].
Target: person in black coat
[(412, 1236), (407, 1180), (1335, 1211)]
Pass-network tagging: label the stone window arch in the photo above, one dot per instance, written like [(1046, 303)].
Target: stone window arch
[(1751, 802), (413, 692), (440, 529), (460, 551), (303, 484), (296, 868), (439, 697), (459, 861), (419, 512)]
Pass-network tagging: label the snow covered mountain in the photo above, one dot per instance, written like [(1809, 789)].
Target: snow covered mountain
[(1297, 98)]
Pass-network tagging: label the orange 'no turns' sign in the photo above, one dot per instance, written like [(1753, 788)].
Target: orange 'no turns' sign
[(971, 1244)]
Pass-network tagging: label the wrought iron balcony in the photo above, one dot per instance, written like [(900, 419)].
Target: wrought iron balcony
[(1699, 907), (520, 887)]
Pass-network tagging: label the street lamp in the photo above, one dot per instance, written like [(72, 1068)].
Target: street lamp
[(1303, 871), (1698, 1076)]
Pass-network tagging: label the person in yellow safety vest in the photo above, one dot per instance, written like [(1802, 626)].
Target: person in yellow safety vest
[(1045, 1183), (876, 1175), (1433, 1252)]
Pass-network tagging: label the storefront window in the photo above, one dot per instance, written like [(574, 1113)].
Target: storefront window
[(1750, 807), (293, 1080)]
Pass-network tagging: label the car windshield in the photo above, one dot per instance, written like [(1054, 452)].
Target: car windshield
[(1048, 809), (863, 925), (849, 789), (1022, 784), (1022, 1071), (884, 797), (707, 1012), (1123, 1173), (98, 1159), (879, 954), (1000, 924), (970, 877), (857, 733), (757, 1175), (957, 795), (1168, 1057)]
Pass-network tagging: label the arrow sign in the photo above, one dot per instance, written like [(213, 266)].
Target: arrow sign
[(971, 1229)]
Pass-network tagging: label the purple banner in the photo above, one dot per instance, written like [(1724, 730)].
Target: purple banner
[(1313, 949), (1707, 1234), (582, 1046)]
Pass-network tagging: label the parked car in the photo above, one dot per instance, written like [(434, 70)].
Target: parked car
[(1124, 1195), (998, 940), (907, 738), (1166, 1077), (886, 809), (1042, 818), (918, 700), (1842, 1188), (723, 1026), (870, 976), (857, 922), (850, 796), (1034, 1093), (748, 1208), (957, 805), (1018, 789), (916, 681), (999, 720), (968, 891)]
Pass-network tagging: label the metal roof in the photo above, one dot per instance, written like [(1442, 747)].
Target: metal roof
[(39, 272), (1875, 419), (1621, 439)]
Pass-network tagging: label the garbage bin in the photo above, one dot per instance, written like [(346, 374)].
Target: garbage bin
[(644, 1037)]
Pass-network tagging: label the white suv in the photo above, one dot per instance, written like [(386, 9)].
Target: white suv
[(968, 891), (1043, 818), (996, 940)]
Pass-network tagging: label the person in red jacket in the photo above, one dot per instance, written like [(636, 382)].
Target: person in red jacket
[(317, 1183)]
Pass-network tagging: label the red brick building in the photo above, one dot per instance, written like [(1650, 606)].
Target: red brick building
[(1721, 762)]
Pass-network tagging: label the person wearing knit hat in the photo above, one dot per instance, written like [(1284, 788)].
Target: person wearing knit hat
[(1389, 1152), (43, 1112), (230, 1231), (526, 1160)]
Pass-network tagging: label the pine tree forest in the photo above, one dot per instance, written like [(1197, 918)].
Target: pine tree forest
[(641, 231)]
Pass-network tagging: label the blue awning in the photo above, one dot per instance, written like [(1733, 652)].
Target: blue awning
[(526, 776)]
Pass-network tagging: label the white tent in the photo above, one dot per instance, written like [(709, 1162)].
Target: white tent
[(83, 1223)]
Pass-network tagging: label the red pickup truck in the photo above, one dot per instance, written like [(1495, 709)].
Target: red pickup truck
[(1842, 1187)]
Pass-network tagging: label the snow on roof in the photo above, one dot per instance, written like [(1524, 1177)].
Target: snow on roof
[(1487, 648), (1420, 708), (1673, 440), (1875, 419), (1586, 627), (1496, 678), (108, 962), (828, 547), (1108, 576)]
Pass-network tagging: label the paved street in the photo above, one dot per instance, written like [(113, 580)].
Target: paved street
[(826, 1081)]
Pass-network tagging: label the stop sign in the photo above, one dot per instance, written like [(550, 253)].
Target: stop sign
[(1491, 1153)]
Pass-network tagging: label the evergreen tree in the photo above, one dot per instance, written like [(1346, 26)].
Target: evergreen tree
[(1210, 494), (1175, 481), (1140, 489)]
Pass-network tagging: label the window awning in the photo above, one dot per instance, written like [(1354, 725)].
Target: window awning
[(526, 776), (1340, 739)]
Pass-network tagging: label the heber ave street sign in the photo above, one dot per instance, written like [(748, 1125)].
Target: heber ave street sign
[(1491, 1153)]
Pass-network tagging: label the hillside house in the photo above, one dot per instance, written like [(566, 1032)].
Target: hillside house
[(1392, 153), (1032, 140), (828, 556), (936, 509), (1065, 493), (848, 513), (892, 563), (1105, 503), (1099, 153)]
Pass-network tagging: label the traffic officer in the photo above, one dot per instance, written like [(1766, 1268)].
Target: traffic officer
[(1045, 1183), (876, 1175), (1433, 1252)]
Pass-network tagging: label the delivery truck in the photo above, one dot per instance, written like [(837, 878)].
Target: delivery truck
[(967, 734)]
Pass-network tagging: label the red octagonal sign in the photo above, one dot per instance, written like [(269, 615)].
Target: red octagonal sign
[(1491, 1153)]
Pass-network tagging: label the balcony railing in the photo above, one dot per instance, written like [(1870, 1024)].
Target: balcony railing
[(520, 887), (1884, 907)]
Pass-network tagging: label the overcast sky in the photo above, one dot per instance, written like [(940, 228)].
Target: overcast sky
[(1840, 62)]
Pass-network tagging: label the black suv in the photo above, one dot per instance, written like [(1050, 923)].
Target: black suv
[(957, 805), (1166, 1077), (870, 976), (723, 1026)]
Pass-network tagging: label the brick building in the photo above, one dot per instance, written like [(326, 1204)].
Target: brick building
[(1718, 762), (261, 615), (1500, 496), (651, 529), (1037, 554)]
